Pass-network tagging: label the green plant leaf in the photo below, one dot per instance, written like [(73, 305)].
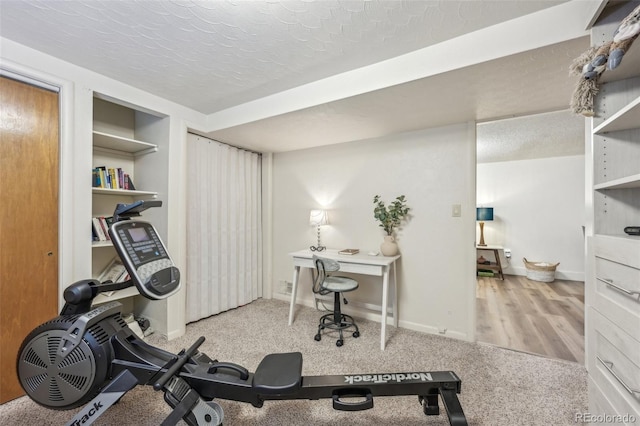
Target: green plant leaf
[(390, 217)]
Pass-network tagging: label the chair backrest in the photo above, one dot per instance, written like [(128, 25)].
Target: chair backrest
[(323, 267)]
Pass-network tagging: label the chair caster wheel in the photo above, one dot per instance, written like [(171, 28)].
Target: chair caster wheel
[(356, 334), (339, 343), (317, 337)]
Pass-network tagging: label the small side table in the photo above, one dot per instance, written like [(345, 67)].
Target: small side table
[(493, 266)]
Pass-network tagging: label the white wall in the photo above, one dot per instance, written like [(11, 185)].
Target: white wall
[(434, 169), (538, 211)]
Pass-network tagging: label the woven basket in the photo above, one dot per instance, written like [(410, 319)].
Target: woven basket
[(540, 271)]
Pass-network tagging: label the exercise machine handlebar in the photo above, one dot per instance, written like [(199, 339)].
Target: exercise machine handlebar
[(182, 359)]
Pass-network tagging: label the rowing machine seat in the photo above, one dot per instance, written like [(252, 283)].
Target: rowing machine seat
[(278, 374)]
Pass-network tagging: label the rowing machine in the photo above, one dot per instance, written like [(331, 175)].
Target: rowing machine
[(89, 356)]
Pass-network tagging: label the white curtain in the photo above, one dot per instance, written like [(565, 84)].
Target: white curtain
[(224, 227)]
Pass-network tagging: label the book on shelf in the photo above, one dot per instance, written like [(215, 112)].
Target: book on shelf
[(114, 272), (100, 228), (97, 178), (349, 251), (111, 178), (128, 183)]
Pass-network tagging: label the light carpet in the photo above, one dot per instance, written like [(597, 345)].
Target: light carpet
[(499, 386)]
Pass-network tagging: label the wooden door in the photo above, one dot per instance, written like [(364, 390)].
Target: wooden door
[(29, 134)]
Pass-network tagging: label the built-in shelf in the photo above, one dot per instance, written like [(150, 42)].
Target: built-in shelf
[(610, 317), (622, 183), (96, 244), (128, 192), (116, 295), (625, 119), (122, 144), (634, 238), (628, 68)]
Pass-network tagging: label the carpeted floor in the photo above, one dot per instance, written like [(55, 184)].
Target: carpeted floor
[(499, 387)]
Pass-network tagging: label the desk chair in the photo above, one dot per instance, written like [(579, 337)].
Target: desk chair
[(325, 283)]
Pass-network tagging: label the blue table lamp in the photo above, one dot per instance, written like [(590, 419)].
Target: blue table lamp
[(483, 214)]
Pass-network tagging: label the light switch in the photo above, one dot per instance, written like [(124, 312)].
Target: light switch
[(456, 210)]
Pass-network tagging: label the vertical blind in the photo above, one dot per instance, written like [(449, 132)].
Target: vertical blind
[(224, 228)]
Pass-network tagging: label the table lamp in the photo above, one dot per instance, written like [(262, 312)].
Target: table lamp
[(483, 214), (318, 218)]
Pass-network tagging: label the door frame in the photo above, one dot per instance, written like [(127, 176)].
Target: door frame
[(66, 235)]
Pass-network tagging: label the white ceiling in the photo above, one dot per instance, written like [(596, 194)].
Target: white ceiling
[(552, 134), (223, 58)]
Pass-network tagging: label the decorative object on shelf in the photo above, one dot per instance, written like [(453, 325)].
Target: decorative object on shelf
[(318, 218), (390, 217), (597, 59), (483, 214)]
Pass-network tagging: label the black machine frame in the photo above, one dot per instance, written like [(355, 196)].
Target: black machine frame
[(95, 343)]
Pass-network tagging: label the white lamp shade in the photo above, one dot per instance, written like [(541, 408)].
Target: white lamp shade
[(318, 217)]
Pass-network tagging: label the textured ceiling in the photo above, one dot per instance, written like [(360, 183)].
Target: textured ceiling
[(553, 134), (502, 88), (214, 56)]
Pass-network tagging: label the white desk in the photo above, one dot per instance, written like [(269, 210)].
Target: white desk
[(360, 263)]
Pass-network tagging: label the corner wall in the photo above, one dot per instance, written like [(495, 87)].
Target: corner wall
[(434, 169)]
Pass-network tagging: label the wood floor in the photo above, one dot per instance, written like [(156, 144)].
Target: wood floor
[(531, 316)]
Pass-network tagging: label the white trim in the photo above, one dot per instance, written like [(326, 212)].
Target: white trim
[(28, 80), (596, 8), (267, 225), (469, 226)]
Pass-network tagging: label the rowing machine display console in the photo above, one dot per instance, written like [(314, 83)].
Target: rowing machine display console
[(145, 258), (89, 356)]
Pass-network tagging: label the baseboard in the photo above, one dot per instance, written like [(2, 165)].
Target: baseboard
[(561, 275), (428, 329), (354, 308), (372, 312), (173, 334), (280, 296)]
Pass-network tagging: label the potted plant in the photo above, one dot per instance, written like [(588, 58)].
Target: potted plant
[(390, 217)]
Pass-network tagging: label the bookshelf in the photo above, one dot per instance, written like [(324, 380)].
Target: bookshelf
[(109, 142), (613, 258), (116, 295), (133, 140), (125, 192)]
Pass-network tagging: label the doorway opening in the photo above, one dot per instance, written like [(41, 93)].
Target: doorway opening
[(530, 170)]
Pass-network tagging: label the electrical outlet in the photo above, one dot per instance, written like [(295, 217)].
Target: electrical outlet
[(456, 210), (507, 253), (286, 287)]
